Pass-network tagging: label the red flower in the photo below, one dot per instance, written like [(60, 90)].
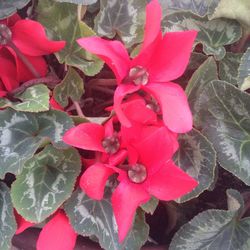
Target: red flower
[(161, 60), (29, 37)]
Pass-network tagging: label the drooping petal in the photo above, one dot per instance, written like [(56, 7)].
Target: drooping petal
[(121, 91), (171, 56), (174, 106), (170, 182), (22, 224), (87, 136), (125, 200), (30, 37), (93, 180), (57, 234), (112, 52)]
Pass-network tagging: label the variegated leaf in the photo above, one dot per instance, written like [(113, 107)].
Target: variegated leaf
[(46, 181), (70, 87), (34, 99), (197, 157), (216, 229), (150, 206), (95, 218), (213, 34), (21, 134), (244, 71), (224, 115), (7, 219), (9, 7), (83, 2), (123, 18), (69, 29)]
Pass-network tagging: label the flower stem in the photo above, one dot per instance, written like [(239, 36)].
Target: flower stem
[(78, 109)]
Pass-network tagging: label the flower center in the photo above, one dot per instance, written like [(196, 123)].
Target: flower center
[(111, 144), (137, 173), (138, 75), (5, 34)]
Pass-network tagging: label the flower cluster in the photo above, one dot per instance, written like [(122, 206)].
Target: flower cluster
[(137, 144)]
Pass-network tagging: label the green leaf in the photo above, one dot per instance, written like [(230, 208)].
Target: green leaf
[(21, 134), (244, 71), (150, 206), (197, 157), (70, 87), (7, 219), (216, 229), (34, 99), (95, 218), (68, 28), (123, 18), (225, 119), (46, 181), (9, 7), (213, 34), (228, 68), (201, 77), (83, 2)]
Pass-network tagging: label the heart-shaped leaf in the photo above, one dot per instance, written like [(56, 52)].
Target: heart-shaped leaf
[(95, 218), (244, 71), (46, 181), (9, 7), (7, 219), (21, 134)]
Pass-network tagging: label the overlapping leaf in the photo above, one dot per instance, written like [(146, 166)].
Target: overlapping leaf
[(216, 229), (150, 206), (21, 134), (46, 181), (7, 219), (197, 157), (34, 99), (244, 71), (225, 119), (213, 34), (62, 23), (95, 218), (9, 7), (70, 87), (123, 18)]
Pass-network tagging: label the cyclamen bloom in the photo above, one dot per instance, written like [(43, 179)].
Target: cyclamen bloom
[(30, 38), (161, 60)]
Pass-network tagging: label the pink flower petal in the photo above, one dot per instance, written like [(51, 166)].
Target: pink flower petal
[(10, 21), (55, 105), (171, 56), (57, 234), (121, 91), (170, 183), (112, 52), (30, 37), (22, 224), (93, 180), (125, 200), (87, 136), (174, 105)]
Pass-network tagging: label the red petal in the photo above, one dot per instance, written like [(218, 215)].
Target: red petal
[(121, 91), (10, 21), (112, 52), (22, 224), (57, 234), (93, 180), (87, 136), (125, 200), (170, 183), (174, 105), (55, 105), (30, 37), (171, 56)]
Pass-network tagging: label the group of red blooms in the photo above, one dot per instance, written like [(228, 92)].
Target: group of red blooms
[(137, 144)]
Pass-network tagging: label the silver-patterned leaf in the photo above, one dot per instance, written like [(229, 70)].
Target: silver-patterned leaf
[(216, 229), (228, 68), (244, 71), (69, 29), (21, 134), (197, 157), (83, 2), (7, 219), (95, 218), (9, 7), (225, 120), (150, 206), (213, 34), (70, 87), (34, 99), (123, 18), (46, 181)]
